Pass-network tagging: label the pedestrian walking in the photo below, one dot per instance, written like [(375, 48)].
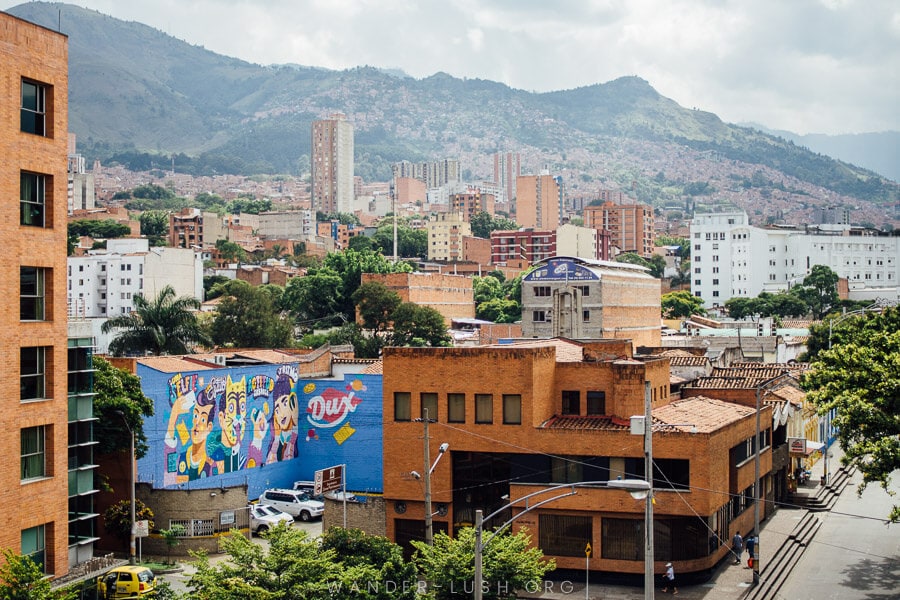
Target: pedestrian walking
[(670, 579), (737, 547), (751, 550)]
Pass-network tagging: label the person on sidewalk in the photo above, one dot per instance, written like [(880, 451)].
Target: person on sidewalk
[(751, 550), (737, 547), (670, 579)]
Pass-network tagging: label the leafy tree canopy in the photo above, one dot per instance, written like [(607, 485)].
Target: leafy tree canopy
[(106, 228), (859, 378), (416, 325), (411, 243), (656, 263), (247, 317), (680, 305), (819, 291), (483, 223), (509, 563), (119, 400), (155, 225), (782, 304), (23, 579)]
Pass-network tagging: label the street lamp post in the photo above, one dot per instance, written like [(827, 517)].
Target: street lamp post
[(638, 489), (429, 469), (131, 542)]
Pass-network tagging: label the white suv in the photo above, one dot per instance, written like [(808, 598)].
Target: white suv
[(293, 502), (263, 517)]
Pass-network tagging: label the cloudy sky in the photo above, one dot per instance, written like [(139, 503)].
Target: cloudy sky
[(808, 66)]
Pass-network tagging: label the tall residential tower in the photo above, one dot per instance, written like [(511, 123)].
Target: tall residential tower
[(332, 165)]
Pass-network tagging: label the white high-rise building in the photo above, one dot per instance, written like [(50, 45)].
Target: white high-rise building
[(730, 258)]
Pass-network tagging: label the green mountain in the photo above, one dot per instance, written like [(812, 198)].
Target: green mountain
[(142, 98)]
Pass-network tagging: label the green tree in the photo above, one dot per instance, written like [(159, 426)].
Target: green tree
[(247, 317), (106, 228), (411, 243), (117, 519), (819, 291), (484, 223), (680, 305), (375, 304), (633, 258), (118, 397), (212, 285), (486, 288), (859, 379), (509, 564), (356, 548), (231, 251), (361, 243), (416, 325), (172, 537), (350, 265), (23, 579), (315, 299), (155, 225), (499, 310), (163, 325)]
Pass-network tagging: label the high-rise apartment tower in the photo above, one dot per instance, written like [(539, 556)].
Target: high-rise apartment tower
[(332, 165)]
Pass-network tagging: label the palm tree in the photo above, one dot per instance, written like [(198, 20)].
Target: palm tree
[(163, 325)]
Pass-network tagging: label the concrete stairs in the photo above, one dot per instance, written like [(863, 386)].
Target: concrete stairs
[(824, 497), (778, 569)]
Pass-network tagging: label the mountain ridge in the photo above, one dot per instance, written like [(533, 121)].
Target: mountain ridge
[(212, 113)]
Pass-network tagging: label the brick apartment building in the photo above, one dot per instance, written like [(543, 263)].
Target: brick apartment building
[(526, 245), (34, 505), (537, 201), (630, 226), (525, 416), (445, 237), (450, 295), (471, 202)]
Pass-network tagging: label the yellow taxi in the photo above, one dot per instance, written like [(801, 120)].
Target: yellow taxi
[(128, 581)]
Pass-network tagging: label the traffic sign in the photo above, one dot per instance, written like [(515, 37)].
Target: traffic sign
[(328, 480), (587, 550)]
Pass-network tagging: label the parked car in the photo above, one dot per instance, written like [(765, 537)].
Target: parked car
[(263, 517), (305, 486), (293, 502), (339, 496), (128, 581)]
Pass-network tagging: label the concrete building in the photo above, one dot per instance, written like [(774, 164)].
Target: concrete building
[(630, 226), (445, 237), (81, 194), (409, 190), (507, 169), (471, 202), (433, 174), (583, 242), (730, 258), (332, 165), (582, 299), (450, 295), (537, 202), (522, 417), (34, 494), (286, 225), (103, 283), (526, 246)]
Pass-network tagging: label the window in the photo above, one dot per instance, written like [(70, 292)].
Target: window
[(33, 444), (32, 369), (585, 290), (596, 403), (539, 316), (586, 315), (566, 469), (571, 402), (456, 408), (401, 406), (33, 545), (32, 199), (34, 108), (568, 535), (429, 403), (484, 408), (542, 290), (512, 409), (31, 294)]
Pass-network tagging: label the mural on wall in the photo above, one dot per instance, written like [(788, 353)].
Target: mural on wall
[(330, 409), (207, 432)]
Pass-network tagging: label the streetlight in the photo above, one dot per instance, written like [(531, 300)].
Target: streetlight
[(638, 488), (131, 542), (763, 386)]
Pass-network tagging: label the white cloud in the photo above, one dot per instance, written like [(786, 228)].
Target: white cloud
[(829, 66)]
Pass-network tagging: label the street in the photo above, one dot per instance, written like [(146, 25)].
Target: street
[(854, 556)]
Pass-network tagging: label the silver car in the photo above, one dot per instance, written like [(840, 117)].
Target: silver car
[(263, 517)]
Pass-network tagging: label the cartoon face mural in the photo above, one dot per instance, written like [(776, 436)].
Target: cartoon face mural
[(233, 426)]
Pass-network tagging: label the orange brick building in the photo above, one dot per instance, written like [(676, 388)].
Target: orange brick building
[(34, 506), (450, 295), (630, 226), (523, 417), (537, 202)]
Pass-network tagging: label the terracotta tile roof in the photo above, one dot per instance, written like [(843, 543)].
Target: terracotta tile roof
[(268, 356), (174, 364), (688, 361), (796, 323), (727, 383), (790, 393), (376, 368), (706, 414), (591, 423), (792, 366)]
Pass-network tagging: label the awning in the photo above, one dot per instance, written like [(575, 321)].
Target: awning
[(811, 447)]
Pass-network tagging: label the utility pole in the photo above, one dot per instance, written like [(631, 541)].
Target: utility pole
[(429, 529)]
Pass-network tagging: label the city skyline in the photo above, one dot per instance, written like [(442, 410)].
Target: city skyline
[(816, 66)]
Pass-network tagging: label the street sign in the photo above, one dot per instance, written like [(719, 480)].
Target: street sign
[(587, 550), (329, 480), (141, 528)]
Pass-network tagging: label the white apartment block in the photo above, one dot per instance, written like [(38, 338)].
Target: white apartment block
[(730, 258), (445, 237), (572, 240), (103, 283), (287, 225)]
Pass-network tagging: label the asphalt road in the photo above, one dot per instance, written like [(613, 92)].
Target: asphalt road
[(854, 555)]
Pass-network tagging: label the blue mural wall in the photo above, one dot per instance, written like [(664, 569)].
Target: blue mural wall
[(261, 426)]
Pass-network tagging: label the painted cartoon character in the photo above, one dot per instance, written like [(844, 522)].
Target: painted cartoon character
[(232, 414), (285, 414), (260, 423), (194, 462)]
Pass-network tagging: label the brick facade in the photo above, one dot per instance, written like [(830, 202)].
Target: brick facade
[(450, 295), (30, 53)]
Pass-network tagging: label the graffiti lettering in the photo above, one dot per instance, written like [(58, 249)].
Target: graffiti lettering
[(331, 408)]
